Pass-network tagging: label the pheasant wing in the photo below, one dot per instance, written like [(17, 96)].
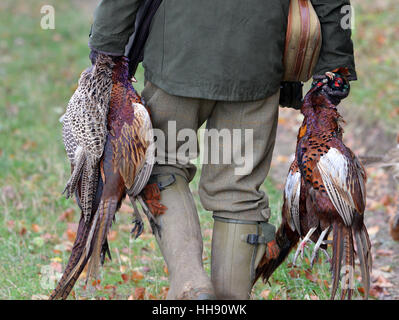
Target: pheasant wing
[(344, 180), (292, 193)]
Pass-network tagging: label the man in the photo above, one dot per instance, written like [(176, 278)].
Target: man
[(219, 62)]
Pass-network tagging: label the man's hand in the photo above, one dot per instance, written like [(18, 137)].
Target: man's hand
[(333, 84)]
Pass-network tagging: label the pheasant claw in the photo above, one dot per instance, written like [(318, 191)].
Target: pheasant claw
[(302, 245), (317, 246), (138, 228)]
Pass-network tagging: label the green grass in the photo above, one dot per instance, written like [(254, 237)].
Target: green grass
[(39, 70), (376, 40)]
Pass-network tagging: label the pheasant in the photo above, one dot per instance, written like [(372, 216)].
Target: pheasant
[(324, 192), (107, 134)]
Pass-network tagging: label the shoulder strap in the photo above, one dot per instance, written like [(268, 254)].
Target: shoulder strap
[(135, 47)]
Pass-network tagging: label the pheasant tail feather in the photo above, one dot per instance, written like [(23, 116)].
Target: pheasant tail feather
[(90, 247), (363, 246)]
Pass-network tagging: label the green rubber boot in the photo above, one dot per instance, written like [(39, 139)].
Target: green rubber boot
[(180, 241), (237, 248)]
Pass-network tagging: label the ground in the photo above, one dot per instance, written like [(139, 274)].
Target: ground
[(39, 71)]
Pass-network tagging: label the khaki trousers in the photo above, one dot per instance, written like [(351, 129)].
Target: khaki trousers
[(243, 132)]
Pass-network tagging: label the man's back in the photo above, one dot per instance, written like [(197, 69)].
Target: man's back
[(217, 49)]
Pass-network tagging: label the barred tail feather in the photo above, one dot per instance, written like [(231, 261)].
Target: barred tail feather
[(338, 250), (363, 247), (76, 263), (106, 215), (88, 189), (347, 286), (90, 246), (78, 167), (344, 254), (88, 176)]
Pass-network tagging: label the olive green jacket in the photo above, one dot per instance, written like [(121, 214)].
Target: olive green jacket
[(219, 49)]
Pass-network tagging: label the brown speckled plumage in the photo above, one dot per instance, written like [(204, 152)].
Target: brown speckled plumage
[(115, 143), (325, 191), (84, 129)]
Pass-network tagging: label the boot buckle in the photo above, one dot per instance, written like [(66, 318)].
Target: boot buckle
[(255, 239)]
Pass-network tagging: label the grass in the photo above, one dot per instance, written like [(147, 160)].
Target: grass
[(39, 71), (376, 40)]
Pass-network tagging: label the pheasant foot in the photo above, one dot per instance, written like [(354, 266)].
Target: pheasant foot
[(302, 245), (317, 247)]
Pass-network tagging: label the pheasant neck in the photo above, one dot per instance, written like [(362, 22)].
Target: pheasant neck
[(321, 116), (120, 72)]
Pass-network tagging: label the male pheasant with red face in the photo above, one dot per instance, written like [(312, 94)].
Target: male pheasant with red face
[(107, 134), (325, 191)]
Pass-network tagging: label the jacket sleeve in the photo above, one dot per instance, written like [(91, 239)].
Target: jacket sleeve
[(337, 46), (113, 25)]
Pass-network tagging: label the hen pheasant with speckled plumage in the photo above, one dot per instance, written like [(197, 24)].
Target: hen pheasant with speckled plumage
[(107, 134)]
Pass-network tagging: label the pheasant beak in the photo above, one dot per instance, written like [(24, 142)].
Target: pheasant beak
[(330, 75)]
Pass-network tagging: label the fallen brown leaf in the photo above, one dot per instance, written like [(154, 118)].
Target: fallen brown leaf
[(383, 282), (384, 252), (386, 268), (71, 235), (373, 230), (310, 276), (109, 286), (35, 228), (282, 158), (28, 145), (137, 275), (122, 269), (164, 292), (22, 231), (294, 273), (165, 269), (56, 266), (112, 235), (265, 294), (125, 208), (387, 200), (125, 277), (375, 291), (139, 293), (67, 215)]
